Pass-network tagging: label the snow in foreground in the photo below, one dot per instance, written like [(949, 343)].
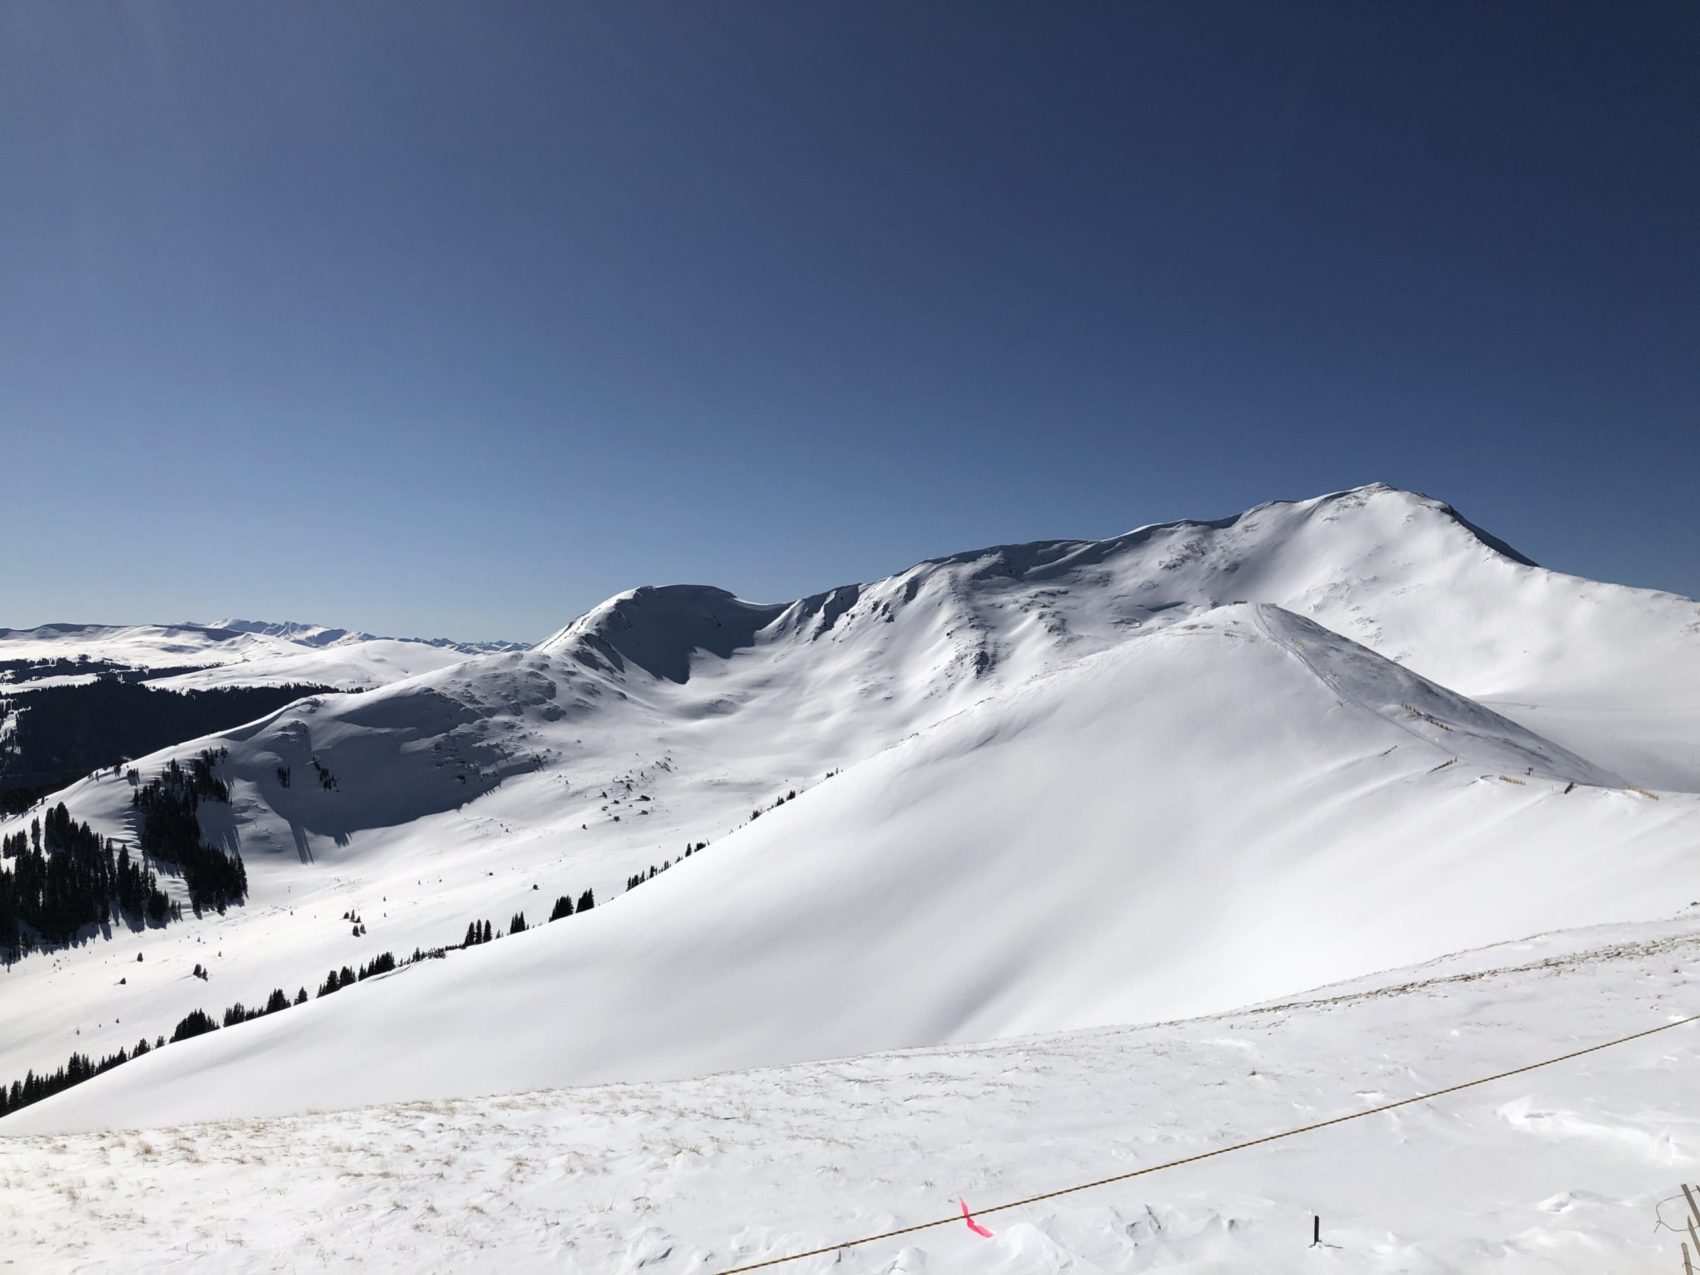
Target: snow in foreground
[(1558, 1170)]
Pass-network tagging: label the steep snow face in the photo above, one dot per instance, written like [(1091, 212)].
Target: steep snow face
[(1232, 807), (244, 652)]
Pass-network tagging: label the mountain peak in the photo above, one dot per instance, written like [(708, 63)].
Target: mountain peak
[(1303, 554), (660, 627)]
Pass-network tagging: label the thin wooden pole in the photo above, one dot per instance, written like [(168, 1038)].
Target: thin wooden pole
[(1692, 1206), (1315, 1230)]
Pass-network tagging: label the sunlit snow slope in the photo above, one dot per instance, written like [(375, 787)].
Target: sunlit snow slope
[(1230, 808), (1087, 782)]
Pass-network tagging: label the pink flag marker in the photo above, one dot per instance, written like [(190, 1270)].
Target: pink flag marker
[(972, 1224)]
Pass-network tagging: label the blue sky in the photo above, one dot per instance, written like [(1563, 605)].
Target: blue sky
[(455, 319)]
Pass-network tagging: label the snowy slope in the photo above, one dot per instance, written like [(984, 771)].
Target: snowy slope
[(1227, 809), (1610, 672), (665, 716), (1557, 1171)]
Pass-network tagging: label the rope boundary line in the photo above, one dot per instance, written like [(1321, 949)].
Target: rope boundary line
[(1207, 1155)]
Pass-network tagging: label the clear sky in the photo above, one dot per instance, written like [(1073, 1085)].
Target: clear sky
[(456, 318)]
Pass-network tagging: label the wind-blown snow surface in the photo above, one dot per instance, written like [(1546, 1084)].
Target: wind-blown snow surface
[(1076, 794), (1560, 1170)]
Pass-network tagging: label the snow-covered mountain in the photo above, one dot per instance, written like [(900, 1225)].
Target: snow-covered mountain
[(1228, 809), (1082, 783)]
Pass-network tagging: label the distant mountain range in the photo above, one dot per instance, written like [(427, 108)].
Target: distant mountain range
[(240, 652), (320, 635)]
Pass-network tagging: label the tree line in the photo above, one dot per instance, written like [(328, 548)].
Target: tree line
[(479, 932), (33, 1088), (638, 878)]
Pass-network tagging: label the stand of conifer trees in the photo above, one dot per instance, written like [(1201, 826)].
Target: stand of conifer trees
[(171, 830), (63, 876)]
